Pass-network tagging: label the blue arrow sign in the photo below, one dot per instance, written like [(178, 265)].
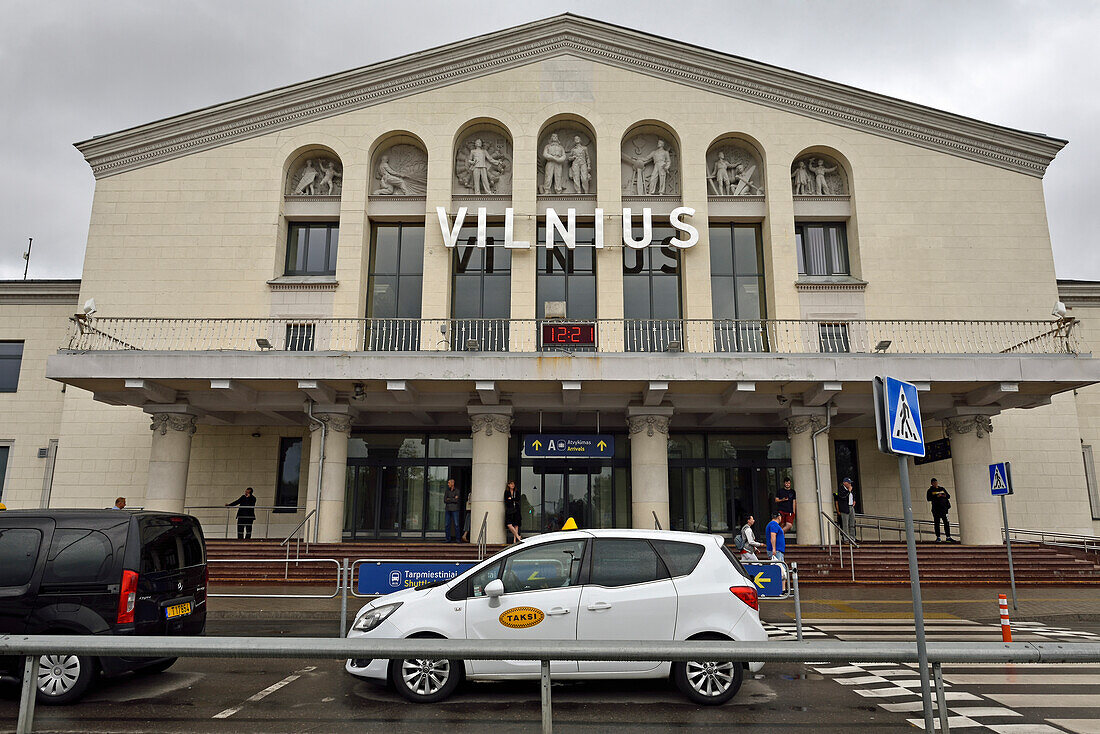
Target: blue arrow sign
[(767, 577), (1000, 479), (904, 432), (578, 446)]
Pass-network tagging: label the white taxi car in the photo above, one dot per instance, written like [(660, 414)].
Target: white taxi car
[(576, 585)]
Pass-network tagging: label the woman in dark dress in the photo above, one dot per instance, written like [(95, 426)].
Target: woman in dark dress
[(512, 518)]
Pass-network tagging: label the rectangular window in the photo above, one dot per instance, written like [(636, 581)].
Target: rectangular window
[(311, 248), (822, 248), (651, 294), (18, 555), (481, 294), (1090, 481), (737, 287), (5, 451), (394, 287), (290, 474), (833, 338), (11, 356), (299, 337)]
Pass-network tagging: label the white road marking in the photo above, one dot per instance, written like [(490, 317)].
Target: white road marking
[(1023, 729), (1078, 726), (975, 711), (955, 722), (1047, 701), (1023, 679), (265, 692)]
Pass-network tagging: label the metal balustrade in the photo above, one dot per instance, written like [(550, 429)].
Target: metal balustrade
[(748, 336)]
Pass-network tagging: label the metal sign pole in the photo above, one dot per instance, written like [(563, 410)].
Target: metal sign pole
[(1008, 544), (914, 582)]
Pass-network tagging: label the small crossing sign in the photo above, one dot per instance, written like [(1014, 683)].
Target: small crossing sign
[(898, 411), (1000, 479)]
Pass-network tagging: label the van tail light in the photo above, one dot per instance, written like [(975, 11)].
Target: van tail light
[(127, 597), (746, 594)]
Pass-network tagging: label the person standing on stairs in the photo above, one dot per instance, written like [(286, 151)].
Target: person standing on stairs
[(941, 503), (246, 513)]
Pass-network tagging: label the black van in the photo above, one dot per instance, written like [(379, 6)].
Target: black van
[(98, 572)]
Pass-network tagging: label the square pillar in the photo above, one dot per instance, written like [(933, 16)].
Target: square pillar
[(169, 457), (648, 465), (490, 426)]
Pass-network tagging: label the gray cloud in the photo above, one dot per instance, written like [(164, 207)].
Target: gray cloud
[(73, 69)]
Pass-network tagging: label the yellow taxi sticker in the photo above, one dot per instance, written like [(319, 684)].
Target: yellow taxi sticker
[(521, 617)]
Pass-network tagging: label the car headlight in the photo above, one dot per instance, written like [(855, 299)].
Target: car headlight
[(375, 617)]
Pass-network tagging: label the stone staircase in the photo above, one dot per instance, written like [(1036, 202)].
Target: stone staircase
[(875, 562)]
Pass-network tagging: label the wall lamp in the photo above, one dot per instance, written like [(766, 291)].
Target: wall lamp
[(674, 346), (264, 344), (883, 345)]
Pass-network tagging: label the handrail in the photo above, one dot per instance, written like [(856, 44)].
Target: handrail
[(656, 520), (483, 537), (30, 647), (852, 544), (920, 526), (1088, 543), (299, 527), (843, 532), (229, 510), (298, 534)]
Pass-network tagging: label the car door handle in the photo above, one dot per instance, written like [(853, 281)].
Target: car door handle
[(557, 612), (599, 606)]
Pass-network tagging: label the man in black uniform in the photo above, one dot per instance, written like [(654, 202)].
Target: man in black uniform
[(246, 515), (786, 503), (941, 503)]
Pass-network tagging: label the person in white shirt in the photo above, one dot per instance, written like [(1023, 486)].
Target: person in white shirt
[(748, 553)]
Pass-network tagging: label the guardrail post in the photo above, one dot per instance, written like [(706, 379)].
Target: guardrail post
[(547, 713), (797, 601), (345, 582), (941, 703), (25, 724)]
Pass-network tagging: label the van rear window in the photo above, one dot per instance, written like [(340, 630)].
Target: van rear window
[(78, 555), (18, 554), (170, 546)]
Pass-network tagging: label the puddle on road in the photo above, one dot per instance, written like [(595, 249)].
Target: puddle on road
[(123, 690)]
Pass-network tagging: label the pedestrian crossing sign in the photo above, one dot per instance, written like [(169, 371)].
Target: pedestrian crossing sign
[(902, 427), (1000, 478)]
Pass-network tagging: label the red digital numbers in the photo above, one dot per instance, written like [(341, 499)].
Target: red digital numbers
[(569, 334)]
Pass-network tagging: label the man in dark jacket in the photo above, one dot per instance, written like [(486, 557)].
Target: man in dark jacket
[(941, 503), (451, 499), (246, 515)]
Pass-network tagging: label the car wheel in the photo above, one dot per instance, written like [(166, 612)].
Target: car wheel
[(425, 681), (63, 679), (160, 666), (708, 683)]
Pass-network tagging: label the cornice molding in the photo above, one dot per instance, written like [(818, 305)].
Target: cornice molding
[(25, 292), (1015, 150)]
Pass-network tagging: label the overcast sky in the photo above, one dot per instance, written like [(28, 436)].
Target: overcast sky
[(73, 69)]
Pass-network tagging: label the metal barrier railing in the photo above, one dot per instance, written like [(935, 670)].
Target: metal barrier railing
[(1087, 543), (31, 647), (339, 578), (892, 525), (211, 518)]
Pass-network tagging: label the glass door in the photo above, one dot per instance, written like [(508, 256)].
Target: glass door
[(551, 494), (360, 502)]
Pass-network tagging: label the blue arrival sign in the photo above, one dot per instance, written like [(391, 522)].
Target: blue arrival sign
[(577, 446), (1000, 479), (768, 578), (904, 432), (384, 577)]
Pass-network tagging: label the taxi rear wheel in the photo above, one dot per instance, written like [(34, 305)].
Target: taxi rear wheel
[(423, 680), (708, 683)]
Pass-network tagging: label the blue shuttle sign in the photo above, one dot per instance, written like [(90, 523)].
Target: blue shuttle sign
[(904, 432), (1000, 479), (768, 579), (579, 446), (384, 577)]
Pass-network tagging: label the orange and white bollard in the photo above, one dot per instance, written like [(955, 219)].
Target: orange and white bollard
[(1006, 626)]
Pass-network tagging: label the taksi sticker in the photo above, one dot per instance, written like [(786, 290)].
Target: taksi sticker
[(521, 617)]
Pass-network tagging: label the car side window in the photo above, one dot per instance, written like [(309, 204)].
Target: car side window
[(545, 566), (18, 554), (78, 555), (480, 579), (623, 562), (681, 558)]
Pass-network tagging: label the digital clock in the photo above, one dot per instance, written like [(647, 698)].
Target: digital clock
[(569, 334)]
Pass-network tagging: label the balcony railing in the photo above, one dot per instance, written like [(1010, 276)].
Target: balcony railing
[(613, 335)]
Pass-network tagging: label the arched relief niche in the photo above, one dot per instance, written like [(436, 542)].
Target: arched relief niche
[(818, 174), (399, 167), (650, 162), (734, 168), (483, 161), (567, 159), (315, 173)]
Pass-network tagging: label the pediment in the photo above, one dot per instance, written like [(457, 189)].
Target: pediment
[(580, 38)]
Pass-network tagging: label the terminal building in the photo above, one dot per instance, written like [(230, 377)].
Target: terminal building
[(346, 291)]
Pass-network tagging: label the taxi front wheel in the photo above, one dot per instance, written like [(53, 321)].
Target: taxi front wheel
[(425, 681), (708, 683)]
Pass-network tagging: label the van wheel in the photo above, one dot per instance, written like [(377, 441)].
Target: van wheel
[(63, 679), (160, 666), (708, 683), (425, 681)]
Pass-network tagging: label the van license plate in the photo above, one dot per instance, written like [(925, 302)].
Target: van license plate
[(178, 610)]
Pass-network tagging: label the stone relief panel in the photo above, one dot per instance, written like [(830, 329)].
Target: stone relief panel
[(567, 161), (650, 165), (483, 164), (733, 169), (400, 170), (818, 175), (315, 175)]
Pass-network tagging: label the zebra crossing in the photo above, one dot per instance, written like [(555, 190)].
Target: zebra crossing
[(1007, 699)]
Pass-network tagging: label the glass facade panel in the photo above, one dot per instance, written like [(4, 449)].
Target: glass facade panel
[(11, 356), (311, 248), (290, 472), (685, 446), (452, 447), (568, 275), (394, 286), (603, 499)]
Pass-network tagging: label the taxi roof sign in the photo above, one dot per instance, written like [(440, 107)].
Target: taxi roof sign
[(570, 524), (897, 417)]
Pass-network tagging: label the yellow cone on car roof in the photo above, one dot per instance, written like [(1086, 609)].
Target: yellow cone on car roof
[(570, 524)]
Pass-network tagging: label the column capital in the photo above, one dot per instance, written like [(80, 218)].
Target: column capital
[(649, 423), (333, 421), (802, 423), (163, 422), (980, 424), (490, 422)]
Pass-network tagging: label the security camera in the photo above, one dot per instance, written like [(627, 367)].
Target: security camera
[(1059, 311), (89, 307)]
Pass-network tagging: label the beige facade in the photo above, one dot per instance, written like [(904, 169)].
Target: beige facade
[(945, 223)]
